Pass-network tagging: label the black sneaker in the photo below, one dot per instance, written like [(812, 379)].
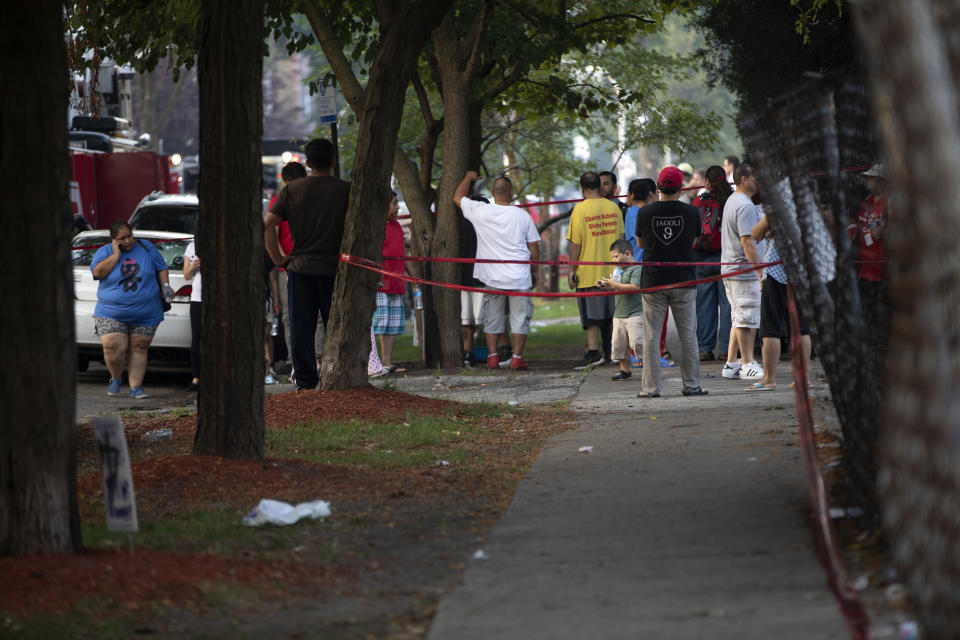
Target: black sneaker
[(505, 352), (622, 375), (469, 360), (589, 359), (694, 391)]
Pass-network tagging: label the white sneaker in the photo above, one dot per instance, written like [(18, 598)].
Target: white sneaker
[(752, 371), (731, 370)]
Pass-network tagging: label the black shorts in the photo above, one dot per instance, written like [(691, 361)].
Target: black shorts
[(774, 318), (595, 311)]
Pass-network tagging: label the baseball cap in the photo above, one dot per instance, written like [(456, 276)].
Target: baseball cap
[(685, 168), (670, 176), (876, 171)]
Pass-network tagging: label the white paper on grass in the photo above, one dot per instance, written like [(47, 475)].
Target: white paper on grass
[(282, 513)]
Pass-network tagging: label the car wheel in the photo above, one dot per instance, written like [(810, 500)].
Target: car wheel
[(83, 363)]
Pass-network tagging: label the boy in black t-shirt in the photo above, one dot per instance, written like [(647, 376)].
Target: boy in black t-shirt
[(665, 231)]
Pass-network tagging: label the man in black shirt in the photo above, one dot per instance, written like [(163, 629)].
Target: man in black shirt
[(665, 231), (316, 209)]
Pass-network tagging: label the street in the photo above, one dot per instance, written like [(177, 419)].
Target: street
[(165, 382)]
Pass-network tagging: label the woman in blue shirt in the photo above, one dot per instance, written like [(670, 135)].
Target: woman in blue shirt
[(128, 307)]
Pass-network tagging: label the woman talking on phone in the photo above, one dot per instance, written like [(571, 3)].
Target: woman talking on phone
[(129, 308)]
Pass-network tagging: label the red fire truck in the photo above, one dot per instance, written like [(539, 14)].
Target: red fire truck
[(111, 174)]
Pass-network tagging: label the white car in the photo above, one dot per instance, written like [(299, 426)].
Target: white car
[(160, 211), (172, 339)]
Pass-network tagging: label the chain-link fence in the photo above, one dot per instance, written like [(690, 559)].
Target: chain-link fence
[(808, 149), (888, 339)]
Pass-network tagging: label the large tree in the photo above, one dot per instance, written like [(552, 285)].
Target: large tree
[(403, 29), (38, 509), (230, 229), (534, 63)]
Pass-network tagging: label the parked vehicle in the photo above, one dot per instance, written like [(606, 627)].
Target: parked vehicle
[(111, 173), (160, 211), (172, 340)]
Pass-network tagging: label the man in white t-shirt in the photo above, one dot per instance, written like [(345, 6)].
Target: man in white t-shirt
[(504, 232), (743, 290)]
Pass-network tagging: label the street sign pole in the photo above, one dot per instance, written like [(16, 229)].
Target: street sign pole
[(327, 107), (336, 149)]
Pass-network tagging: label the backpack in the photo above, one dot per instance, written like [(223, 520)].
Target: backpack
[(708, 241)]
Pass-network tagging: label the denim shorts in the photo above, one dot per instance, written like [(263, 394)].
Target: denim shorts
[(104, 326)]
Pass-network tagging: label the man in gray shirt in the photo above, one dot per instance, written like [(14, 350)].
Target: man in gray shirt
[(743, 290)]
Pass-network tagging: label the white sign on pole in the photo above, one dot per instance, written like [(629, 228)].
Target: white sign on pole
[(327, 104), (117, 475)]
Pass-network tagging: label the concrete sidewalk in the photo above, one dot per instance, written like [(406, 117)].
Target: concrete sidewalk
[(688, 520)]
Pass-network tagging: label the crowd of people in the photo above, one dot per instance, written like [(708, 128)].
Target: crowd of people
[(668, 236), (710, 223)]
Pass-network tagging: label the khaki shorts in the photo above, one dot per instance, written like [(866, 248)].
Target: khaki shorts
[(744, 297), (627, 334)]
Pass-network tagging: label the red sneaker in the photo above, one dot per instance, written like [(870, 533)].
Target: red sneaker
[(517, 363), (493, 361)]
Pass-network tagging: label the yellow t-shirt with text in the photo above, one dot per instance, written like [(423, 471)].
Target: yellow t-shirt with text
[(594, 224)]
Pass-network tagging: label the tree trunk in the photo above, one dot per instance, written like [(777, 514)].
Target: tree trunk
[(404, 29), (38, 507), (442, 327), (456, 60), (230, 229)]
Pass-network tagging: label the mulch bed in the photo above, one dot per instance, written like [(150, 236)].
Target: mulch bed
[(53, 583), (397, 506)]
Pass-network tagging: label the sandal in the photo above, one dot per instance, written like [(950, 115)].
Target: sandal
[(759, 386), (667, 362)]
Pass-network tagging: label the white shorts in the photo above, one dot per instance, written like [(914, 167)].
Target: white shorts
[(627, 334), (471, 302), (494, 308), (744, 297)]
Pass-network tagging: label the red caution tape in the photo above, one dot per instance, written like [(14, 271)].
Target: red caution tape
[(563, 263), (850, 605), (370, 265)]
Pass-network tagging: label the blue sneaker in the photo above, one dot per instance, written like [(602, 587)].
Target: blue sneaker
[(138, 393), (114, 387)]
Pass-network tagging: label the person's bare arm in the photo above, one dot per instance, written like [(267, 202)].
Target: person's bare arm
[(640, 242), (534, 248), (750, 250), (761, 229), (190, 267), (610, 283), (275, 290), (270, 222), (463, 189), (574, 252), (105, 266)]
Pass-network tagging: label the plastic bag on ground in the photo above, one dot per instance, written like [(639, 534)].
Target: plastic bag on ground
[(282, 513)]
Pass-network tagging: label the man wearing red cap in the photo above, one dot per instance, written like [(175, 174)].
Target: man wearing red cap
[(666, 230)]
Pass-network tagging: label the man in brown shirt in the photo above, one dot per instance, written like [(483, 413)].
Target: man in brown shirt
[(315, 208)]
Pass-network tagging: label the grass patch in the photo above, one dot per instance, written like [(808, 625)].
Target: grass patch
[(556, 342), (549, 308), (85, 620), (570, 337), (217, 531), (414, 441)]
